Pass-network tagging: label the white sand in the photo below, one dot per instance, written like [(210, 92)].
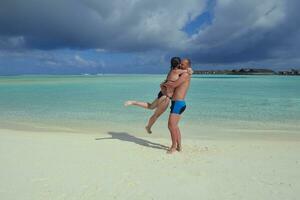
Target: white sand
[(40, 166)]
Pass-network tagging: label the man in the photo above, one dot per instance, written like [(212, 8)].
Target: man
[(178, 105)]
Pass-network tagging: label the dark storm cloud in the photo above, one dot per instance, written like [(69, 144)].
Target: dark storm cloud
[(122, 25), (241, 31)]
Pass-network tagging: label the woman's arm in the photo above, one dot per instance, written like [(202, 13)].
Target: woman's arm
[(181, 71)]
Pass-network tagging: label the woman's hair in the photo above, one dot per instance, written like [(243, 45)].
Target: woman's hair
[(175, 62)]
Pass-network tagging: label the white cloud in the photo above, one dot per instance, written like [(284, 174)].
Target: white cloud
[(79, 61)]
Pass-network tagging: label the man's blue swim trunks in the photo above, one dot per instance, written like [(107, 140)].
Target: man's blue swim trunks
[(177, 107)]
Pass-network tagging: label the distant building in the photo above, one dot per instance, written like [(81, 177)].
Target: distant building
[(289, 72), (245, 71)]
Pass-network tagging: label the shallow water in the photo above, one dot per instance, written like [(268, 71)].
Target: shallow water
[(91, 103)]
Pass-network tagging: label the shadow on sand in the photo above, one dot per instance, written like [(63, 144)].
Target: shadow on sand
[(130, 138)]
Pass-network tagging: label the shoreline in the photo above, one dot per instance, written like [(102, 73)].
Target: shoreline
[(160, 131)]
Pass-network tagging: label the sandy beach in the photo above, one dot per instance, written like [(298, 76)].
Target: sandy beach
[(56, 165), (84, 83)]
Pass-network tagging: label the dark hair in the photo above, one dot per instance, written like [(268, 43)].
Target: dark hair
[(175, 62)]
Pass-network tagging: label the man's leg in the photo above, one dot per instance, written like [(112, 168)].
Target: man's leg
[(180, 111), (178, 148), (174, 130)]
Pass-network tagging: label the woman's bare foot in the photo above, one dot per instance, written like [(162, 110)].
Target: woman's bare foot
[(171, 150), (128, 103), (179, 148), (148, 129)]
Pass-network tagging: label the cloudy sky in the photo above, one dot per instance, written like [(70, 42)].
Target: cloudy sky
[(140, 36)]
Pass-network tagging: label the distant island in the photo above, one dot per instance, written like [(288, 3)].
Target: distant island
[(249, 71)]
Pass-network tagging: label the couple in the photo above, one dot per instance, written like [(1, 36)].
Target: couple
[(173, 89)]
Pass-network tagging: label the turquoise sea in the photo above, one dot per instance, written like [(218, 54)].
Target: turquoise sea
[(93, 103)]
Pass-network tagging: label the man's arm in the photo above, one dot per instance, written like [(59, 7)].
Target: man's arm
[(178, 82)]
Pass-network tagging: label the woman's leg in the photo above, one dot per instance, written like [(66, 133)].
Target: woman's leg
[(162, 105), (145, 105)]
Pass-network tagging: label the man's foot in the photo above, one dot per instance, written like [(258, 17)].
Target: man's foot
[(148, 129), (128, 103), (171, 150)]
